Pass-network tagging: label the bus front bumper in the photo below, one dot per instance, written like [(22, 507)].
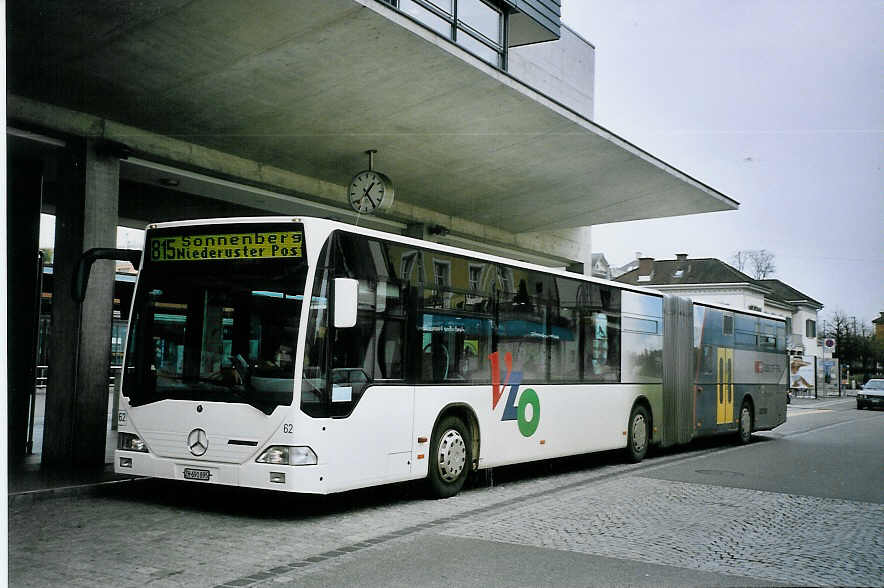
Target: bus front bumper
[(308, 479)]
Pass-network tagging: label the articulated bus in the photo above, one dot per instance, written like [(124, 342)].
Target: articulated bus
[(311, 356)]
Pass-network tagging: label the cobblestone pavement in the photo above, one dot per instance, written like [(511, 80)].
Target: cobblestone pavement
[(779, 537)]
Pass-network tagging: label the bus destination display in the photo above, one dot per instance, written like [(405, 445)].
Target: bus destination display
[(251, 245)]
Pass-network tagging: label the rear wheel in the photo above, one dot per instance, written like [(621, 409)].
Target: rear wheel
[(450, 457), (744, 435), (638, 434)]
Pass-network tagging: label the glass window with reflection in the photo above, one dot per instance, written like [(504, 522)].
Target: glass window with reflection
[(374, 349), (523, 327), (455, 320), (642, 338), (476, 25), (600, 309), (565, 358)]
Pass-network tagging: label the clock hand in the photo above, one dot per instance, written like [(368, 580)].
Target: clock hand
[(366, 194)]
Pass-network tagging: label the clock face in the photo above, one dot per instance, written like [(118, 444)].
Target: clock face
[(370, 191)]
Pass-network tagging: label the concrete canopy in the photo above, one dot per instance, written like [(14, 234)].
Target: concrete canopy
[(308, 86)]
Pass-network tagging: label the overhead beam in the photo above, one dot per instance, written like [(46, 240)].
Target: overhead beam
[(556, 247)]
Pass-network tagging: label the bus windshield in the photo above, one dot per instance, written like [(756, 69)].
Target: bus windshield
[(215, 330)]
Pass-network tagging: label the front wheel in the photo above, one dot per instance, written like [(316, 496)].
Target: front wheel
[(638, 434), (450, 457), (745, 432)]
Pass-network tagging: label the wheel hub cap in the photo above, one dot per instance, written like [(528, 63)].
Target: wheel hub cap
[(639, 433), (452, 456)]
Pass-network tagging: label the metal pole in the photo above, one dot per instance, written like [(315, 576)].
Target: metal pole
[(33, 393)]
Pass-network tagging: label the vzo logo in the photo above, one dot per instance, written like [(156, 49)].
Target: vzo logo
[(527, 411)]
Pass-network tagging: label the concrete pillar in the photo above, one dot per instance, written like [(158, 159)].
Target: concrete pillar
[(584, 264), (23, 198), (77, 395)]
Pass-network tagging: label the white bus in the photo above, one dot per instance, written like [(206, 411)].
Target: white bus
[(306, 355)]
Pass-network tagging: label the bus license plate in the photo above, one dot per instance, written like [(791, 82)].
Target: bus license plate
[(192, 474)]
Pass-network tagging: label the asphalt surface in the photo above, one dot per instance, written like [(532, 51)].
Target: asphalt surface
[(800, 505)]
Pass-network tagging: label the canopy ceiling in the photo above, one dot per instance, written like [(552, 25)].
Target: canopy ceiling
[(308, 86)]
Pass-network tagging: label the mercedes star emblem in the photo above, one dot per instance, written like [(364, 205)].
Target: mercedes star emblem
[(198, 442)]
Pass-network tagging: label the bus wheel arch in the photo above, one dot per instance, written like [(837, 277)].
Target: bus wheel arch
[(638, 430), (746, 422), (455, 439)]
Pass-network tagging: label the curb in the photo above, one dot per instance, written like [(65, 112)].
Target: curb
[(29, 497)]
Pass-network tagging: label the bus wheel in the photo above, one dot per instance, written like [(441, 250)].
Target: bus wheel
[(745, 432), (449, 458), (637, 439)]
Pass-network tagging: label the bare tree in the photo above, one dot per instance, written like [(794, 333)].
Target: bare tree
[(739, 259), (762, 263), (759, 262)]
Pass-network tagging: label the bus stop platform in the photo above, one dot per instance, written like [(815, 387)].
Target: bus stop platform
[(29, 481)]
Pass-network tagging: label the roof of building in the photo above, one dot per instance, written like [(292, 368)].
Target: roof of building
[(674, 272), (879, 320), (693, 271), (783, 291), (596, 257)]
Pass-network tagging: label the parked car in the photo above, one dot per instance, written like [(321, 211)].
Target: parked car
[(871, 395)]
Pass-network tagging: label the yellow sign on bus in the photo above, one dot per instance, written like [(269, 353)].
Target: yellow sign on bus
[(252, 245)]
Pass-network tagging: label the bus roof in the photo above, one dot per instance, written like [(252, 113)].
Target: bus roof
[(332, 225)]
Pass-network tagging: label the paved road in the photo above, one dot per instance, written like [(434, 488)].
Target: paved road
[(801, 505)]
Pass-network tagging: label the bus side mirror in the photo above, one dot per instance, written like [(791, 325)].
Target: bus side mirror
[(346, 296)]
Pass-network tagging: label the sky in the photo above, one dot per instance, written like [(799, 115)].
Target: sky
[(779, 105)]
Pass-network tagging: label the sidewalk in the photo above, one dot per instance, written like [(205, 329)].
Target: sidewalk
[(30, 482)]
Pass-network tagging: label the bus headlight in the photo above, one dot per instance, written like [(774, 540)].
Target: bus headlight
[(285, 455), (130, 442)]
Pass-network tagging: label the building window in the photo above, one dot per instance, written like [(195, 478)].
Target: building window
[(810, 328), (407, 265), (475, 277), (476, 25), (755, 307), (727, 324), (442, 273)]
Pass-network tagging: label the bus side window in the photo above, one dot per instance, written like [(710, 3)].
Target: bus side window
[(454, 321), (600, 318), (642, 337), (523, 326), (565, 357), (373, 349)]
